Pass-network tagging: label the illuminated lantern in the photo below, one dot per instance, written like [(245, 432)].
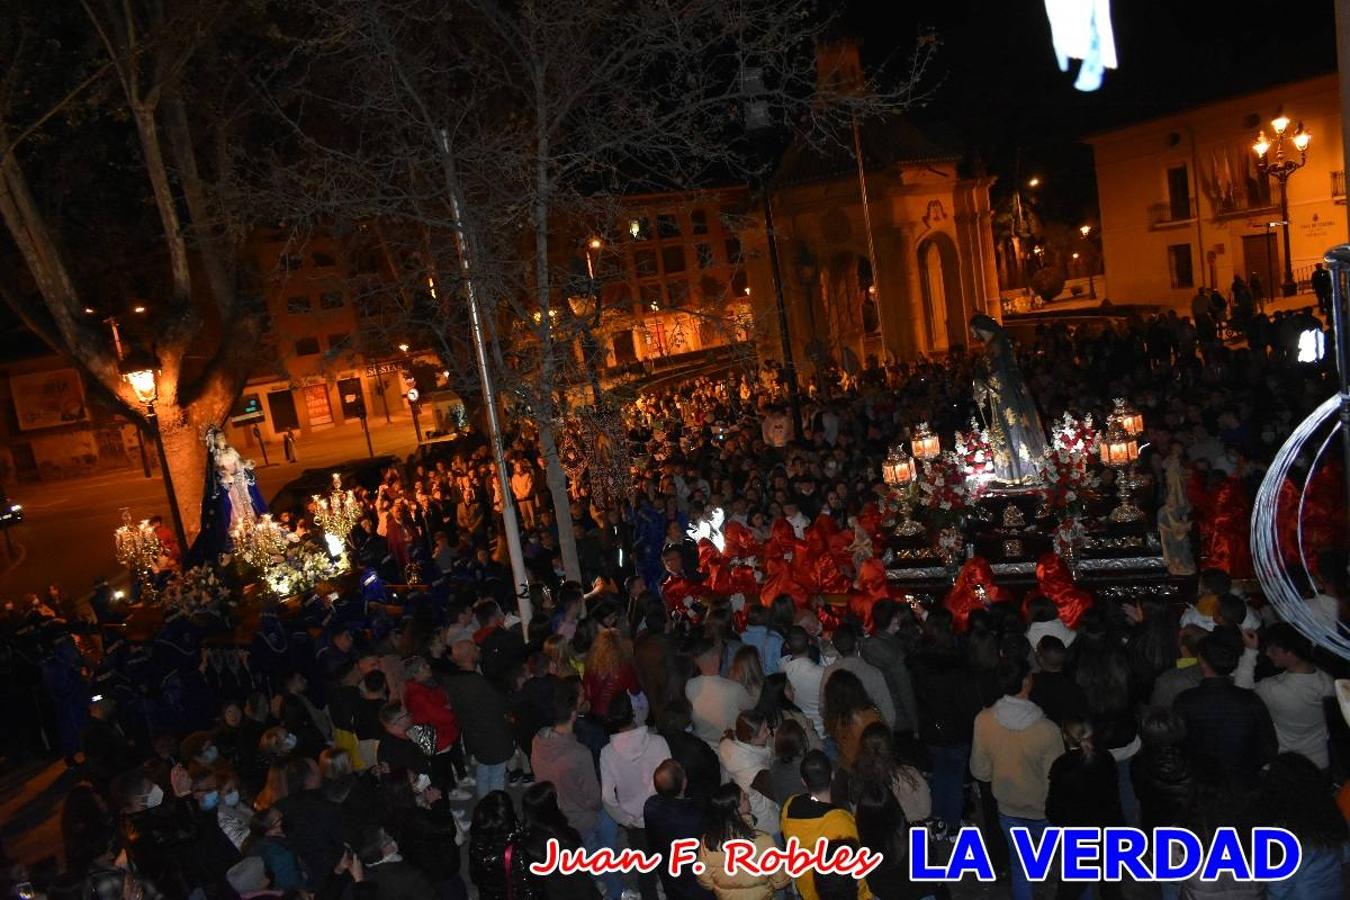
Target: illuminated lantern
[(1119, 449), (925, 444), (1131, 420), (898, 469)]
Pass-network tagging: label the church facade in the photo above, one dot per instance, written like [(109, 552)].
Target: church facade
[(905, 290)]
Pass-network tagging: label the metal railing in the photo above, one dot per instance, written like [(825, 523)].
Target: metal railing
[(1162, 215)]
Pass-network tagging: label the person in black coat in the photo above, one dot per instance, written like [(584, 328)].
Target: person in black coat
[(107, 752), (384, 866), (497, 874), (314, 823), (670, 815), (1083, 792), (1161, 772), (544, 821), (699, 762), (1058, 695), (1229, 733)]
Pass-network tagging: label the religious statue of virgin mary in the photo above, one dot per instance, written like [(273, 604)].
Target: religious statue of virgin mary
[(1014, 425), (230, 497)]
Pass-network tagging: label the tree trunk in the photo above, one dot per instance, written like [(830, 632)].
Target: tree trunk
[(185, 452), (556, 479)]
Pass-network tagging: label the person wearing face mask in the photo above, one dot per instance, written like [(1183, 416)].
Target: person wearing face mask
[(212, 850), (232, 815)]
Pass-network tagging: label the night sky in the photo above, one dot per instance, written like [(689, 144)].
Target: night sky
[(999, 84)]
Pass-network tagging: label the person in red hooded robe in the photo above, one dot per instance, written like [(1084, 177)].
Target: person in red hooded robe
[(974, 589), (1055, 581)]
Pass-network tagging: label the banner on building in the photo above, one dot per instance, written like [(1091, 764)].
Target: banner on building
[(48, 399)]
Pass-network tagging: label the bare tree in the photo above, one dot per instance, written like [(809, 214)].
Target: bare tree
[(128, 101), (537, 115)]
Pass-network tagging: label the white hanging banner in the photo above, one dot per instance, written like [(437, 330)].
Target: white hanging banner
[(1081, 29)]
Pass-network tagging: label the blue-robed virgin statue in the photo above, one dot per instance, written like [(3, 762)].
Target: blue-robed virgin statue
[(230, 496), (1014, 426)]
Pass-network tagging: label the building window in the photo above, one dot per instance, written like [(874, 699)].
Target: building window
[(291, 262), (323, 260), (1338, 183), (733, 250), (673, 258), (1179, 194), (640, 229), (705, 256), (644, 262), (667, 226), (698, 221), (307, 346), (331, 300), (1179, 265), (337, 341), (298, 305)]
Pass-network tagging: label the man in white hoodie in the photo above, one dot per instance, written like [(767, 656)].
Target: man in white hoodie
[(1013, 748), (627, 764)]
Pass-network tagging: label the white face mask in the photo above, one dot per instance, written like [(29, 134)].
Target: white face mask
[(290, 742), (209, 755), (155, 797), (422, 783), (230, 799)]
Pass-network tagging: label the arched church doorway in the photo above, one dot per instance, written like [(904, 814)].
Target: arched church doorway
[(944, 312)]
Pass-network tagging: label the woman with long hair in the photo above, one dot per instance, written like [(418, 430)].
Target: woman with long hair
[(776, 704), (1296, 795), (883, 828), (1084, 792), (846, 711), (1103, 672), (609, 670), (879, 762), (789, 746), (543, 821), (562, 662), (497, 862), (746, 756), (728, 818), (717, 625), (747, 669)]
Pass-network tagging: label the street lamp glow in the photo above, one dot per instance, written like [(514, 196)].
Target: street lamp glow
[(1085, 230), (88, 310), (403, 348), (635, 228), (1279, 124), (138, 309), (1034, 181), (1301, 140), (1075, 256), (142, 381), (593, 243), (1262, 145)]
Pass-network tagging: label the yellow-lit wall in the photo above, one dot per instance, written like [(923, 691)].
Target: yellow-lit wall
[(1214, 143)]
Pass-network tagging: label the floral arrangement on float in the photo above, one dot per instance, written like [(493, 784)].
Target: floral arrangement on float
[(198, 591), (943, 488), (977, 455), (1064, 465)]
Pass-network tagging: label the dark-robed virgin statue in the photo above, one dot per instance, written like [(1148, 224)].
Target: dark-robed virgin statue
[(230, 496), (1015, 433)]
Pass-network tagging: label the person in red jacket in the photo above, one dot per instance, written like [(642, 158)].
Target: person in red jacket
[(428, 704)]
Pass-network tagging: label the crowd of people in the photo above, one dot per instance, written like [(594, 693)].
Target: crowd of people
[(355, 748)]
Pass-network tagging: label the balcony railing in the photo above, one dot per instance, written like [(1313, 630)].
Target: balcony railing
[(1338, 184), (1165, 215)]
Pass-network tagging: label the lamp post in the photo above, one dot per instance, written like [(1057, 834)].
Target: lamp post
[(1086, 232), (141, 371), (411, 392), (1282, 167)]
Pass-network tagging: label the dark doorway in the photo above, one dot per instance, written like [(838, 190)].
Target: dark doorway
[(281, 404), (1261, 254), (625, 350), (353, 403)]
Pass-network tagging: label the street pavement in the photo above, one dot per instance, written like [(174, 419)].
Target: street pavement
[(67, 533)]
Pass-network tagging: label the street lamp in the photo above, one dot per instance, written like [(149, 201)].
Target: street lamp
[(1033, 182), (1282, 167), (411, 393), (1086, 232), (141, 371)]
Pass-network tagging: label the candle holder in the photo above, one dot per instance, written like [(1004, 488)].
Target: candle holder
[(1119, 452), (898, 472)]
